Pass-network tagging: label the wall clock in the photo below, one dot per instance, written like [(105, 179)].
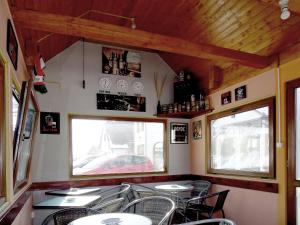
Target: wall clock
[(138, 87), (105, 84), (122, 85)]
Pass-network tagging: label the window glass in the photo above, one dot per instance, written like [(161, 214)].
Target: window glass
[(297, 113), (116, 146), (2, 133), (241, 142)]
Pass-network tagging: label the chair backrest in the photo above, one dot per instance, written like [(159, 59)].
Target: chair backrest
[(118, 191), (201, 187), (220, 200), (65, 216), (158, 208), (219, 221), (111, 206)]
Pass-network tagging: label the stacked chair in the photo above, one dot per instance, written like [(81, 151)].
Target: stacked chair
[(158, 208)]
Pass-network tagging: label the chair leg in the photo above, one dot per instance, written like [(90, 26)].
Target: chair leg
[(223, 213)]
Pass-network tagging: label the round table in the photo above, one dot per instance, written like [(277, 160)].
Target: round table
[(113, 219), (174, 189)]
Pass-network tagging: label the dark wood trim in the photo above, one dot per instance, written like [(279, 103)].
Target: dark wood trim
[(245, 184), (291, 146), (270, 102), (10, 215), (108, 181)]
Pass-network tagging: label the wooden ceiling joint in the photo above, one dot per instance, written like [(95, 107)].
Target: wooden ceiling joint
[(79, 27)]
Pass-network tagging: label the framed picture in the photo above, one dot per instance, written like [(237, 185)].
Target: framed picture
[(49, 123), (121, 102), (12, 44), (197, 130), (240, 93), (121, 62), (179, 133), (226, 98), (24, 150)]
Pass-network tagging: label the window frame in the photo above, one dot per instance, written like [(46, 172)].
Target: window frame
[(4, 129), (269, 102), (133, 119)]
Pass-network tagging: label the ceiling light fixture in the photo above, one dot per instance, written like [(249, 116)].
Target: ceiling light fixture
[(285, 13), (131, 19)]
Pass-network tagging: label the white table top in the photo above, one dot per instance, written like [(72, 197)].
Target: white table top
[(74, 191), (174, 187), (67, 201), (113, 219)]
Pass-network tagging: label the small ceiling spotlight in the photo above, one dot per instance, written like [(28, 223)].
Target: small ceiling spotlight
[(285, 13)]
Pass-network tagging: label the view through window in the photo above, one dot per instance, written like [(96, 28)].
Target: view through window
[(2, 133), (241, 141), (117, 146)]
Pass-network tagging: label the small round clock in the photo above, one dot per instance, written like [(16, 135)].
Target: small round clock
[(105, 84), (122, 85), (138, 87)]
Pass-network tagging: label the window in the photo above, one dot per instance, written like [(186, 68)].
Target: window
[(2, 133), (110, 146), (241, 140)]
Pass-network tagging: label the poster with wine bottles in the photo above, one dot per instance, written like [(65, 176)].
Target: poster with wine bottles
[(121, 62)]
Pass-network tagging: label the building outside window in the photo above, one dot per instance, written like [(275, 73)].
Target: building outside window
[(104, 146), (241, 140)]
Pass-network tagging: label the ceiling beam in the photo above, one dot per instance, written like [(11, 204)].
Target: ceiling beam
[(99, 31)]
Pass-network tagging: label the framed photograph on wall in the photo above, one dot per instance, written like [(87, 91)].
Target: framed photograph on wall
[(240, 93), (197, 130), (179, 133), (121, 62), (24, 149), (12, 44), (49, 123), (226, 98)]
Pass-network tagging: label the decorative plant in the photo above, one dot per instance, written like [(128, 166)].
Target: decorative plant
[(159, 89)]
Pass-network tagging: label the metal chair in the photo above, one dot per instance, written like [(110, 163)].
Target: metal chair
[(114, 205), (65, 216), (200, 204), (216, 221), (201, 187), (118, 191), (158, 208)]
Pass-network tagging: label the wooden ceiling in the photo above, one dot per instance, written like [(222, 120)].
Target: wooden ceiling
[(207, 32)]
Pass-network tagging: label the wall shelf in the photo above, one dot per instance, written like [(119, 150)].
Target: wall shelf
[(186, 115)]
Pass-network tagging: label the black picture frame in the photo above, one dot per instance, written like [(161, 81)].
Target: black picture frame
[(240, 93), (12, 44), (179, 133), (226, 98), (49, 123)]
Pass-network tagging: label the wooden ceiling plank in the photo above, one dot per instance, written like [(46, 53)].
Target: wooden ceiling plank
[(224, 18), (240, 26), (294, 5), (106, 32), (264, 37)]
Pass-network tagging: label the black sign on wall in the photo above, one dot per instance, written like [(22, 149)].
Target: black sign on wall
[(49, 123)]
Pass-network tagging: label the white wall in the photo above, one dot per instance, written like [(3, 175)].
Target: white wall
[(51, 152)]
